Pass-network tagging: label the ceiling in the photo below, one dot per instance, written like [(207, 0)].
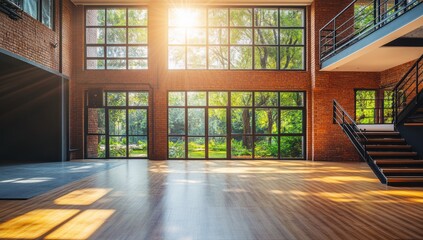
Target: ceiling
[(185, 2)]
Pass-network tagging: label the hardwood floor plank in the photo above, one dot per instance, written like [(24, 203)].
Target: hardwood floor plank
[(224, 200)]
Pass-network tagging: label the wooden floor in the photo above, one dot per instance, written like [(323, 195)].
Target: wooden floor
[(187, 200)]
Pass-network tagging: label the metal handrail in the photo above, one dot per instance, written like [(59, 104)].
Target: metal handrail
[(331, 35), (355, 134), (407, 90)]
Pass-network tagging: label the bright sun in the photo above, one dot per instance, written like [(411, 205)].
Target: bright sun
[(185, 17)]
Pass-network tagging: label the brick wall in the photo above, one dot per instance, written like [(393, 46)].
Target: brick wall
[(325, 141), (30, 39), (393, 75), (328, 141)]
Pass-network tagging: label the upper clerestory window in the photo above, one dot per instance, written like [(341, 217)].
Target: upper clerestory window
[(42, 10), (237, 38), (116, 38)]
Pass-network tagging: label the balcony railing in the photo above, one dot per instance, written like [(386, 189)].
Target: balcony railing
[(357, 21)]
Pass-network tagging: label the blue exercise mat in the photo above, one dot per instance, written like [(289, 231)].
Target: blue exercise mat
[(20, 182)]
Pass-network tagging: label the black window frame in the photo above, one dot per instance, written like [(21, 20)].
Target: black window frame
[(40, 11), (253, 46), (229, 135), (106, 134), (105, 44)]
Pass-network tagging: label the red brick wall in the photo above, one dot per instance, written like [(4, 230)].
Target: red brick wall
[(328, 141), (67, 37), (30, 39), (325, 141), (393, 75)]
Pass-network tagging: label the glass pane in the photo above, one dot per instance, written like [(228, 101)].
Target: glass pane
[(196, 98), (218, 98), (137, 17), (291, 17), (241, 17), (31, 7), (292, 37), (138, 64), (217, 147), (116, 17), (242, 147), (264, 36), (266, 120), (138, 99), (117, 122), (116, 52), (266, 99), (137, 36), (117, 146), (218, 57), (116, 64), (137, 121), (176, 147), (176, 35), (138, 147), (176, 99), (241, 36), (291, 121), (196, 36), (96, 121), (292, 99), (95, 52), (116, 36), (365, 104), (196, 57), (218, 36), (241, 57), (116, 99), (241, 99), (292, 58), (266, 147), (47, 13), (292, 147), (241, 120), (196, 147), (196, 122), (176, 121), (95, 35), (266, 17), (137, 52), (95, 64), (96, 146), (217, 122), (95, 17), (218, 17), (266, 58), (176, 58)]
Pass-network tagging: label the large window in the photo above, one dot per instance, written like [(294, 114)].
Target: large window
[(236, 38), (236, 125), (42, 10), (116, 38), (120, 128), (373, 106)]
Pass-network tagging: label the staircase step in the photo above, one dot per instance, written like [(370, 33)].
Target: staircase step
[(385, 140), (382, 133), (408, 179), (419, 110), (392, 154), (388, 147), (398, 162), (413, 124), (402, 170)]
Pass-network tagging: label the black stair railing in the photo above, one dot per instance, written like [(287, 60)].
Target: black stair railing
[(356, 136), (356, 21), (407, 91)]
